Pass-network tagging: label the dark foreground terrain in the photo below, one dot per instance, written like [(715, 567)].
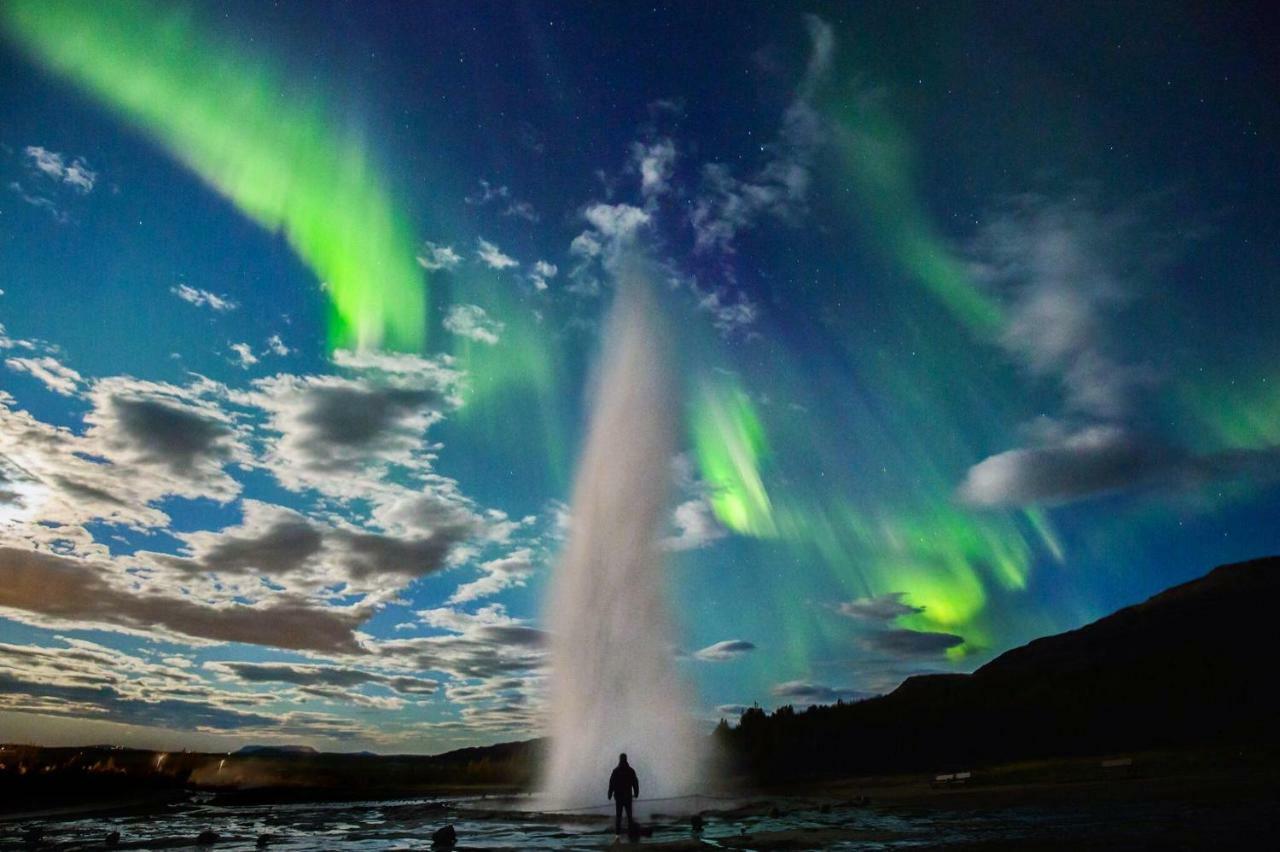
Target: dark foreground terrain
[(1203, 800)]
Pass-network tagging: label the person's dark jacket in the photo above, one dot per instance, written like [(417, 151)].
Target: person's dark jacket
[(623, 783)]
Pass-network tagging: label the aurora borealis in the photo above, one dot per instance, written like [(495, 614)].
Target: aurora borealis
[(263, 141), (973, 311)]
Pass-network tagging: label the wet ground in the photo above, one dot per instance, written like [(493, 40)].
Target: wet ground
[(778, 823)]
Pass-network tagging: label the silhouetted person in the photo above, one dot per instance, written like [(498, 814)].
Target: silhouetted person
[(623, 784)]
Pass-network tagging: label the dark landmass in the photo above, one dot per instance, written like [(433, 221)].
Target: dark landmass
[(1189, 668), (36, 778), (271, 749)]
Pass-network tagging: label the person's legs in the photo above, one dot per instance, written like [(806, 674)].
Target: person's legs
[(630, 822), (617, 816)]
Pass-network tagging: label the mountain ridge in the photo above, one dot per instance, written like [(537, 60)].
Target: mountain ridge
[(1179, 669)]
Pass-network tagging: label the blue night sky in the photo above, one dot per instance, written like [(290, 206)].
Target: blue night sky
[(974, 309)]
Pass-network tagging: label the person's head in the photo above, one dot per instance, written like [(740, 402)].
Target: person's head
[(622, 759)]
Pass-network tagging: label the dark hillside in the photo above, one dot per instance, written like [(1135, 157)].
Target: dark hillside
[(1185, 668)]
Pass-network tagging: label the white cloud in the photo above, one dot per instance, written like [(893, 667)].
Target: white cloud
[(1066, 272), (280, 577), (55, 375), (495, 662), (75, 174), (276, 346), (244, 355), (203, 298), (616, 221), (729, 314), (491, 256), (143, 442), (727, 204), (357, 427), (655, 162), (303, 556), (613, 227), (729, 649), (1063, 270), (436, 257), (411, 513), (471, 322), (7, 342), (1104, 459), (542, 273), (696, 526), (490, 624), (400, 368), (506, 572), (172, 434), (586, 245)]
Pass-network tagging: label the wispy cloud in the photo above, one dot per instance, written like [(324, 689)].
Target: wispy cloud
[(807, 692), (1104, 459), (732, 312), (616, 222), (504, 199), (435, 257), (49, 589), (729, 649), (506, 572), (491, 256), (74, 172), (613, 227), (78, 678), (471, 322), (244, 356), (277, 346), (35, 200), (55, 375), (655, 161), (878, 609), (695, 525), (726, 204), (203, 298), (542, 273), (910, 644), (1066, 272), (312, 675)]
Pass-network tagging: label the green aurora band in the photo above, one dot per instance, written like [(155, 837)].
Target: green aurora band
[(273, 150), (729, 442), (877, 160), (520, 379), (908, 536), (897, 527)]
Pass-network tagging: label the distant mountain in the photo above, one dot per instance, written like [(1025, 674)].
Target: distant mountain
[(273, 750), (1191, 666)]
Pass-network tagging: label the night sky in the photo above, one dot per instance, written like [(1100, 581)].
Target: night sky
[(974, 309)]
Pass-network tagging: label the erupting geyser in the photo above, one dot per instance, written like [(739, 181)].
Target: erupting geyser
[(614, 687)]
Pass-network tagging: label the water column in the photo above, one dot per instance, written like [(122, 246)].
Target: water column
[(614, 687)]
